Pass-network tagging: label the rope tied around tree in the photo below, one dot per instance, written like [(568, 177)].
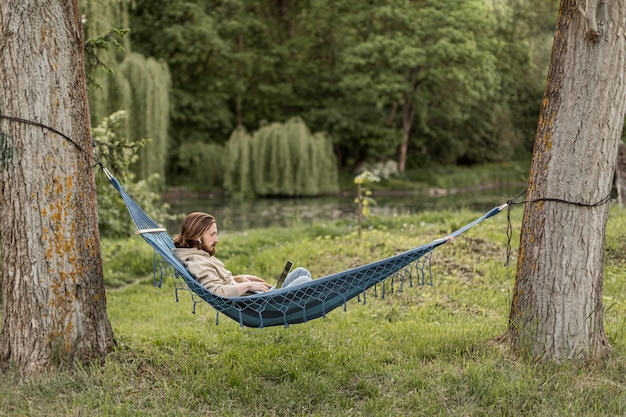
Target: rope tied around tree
[(511, 202), (63, 135)]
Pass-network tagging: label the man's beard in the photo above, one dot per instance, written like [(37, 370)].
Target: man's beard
[(210, 250)]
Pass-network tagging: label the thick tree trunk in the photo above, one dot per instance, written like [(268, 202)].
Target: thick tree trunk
[(53, 298), (557, 310)]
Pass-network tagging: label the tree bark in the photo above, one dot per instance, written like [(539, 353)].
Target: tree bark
[(53, 296), (556, 311)]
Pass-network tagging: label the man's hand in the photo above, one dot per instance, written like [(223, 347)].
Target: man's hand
[(248, 278)]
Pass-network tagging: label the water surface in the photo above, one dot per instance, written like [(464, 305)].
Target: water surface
[(234, 215)]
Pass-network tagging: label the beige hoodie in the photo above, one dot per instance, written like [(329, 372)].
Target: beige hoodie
[(208, 271)]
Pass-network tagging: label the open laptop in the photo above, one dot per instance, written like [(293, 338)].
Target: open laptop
[(281, 278), (283, 275)]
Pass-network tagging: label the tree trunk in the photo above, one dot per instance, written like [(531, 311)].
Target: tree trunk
[(557, 310), (408, 112), (53, 297)]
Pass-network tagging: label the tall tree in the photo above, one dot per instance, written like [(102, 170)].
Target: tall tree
[(525, 29), (123, 80), (557, 310), (53, 297), (409, 56), (188, 41), (100, 20), (143, 88), (280, 159)]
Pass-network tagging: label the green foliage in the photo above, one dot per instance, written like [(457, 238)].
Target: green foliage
[(204, 165), (144, 92), (454, 178), (117, 153), (105, 26), (431, 60), (280, 159), (270, 157), (114, 149), (138, 85), (525, 30), (199, 61), (94, 46), (427, 350), (238, 162), (463, 79)]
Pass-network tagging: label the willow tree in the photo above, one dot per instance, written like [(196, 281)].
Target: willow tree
[(100, 17), (237, 179), (557, 311), (131, 82), (281, 159), (142, 89), (303, 157), (326, 164), (271, 157), (53, 296)]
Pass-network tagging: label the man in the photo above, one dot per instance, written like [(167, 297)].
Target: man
[(195, 249)]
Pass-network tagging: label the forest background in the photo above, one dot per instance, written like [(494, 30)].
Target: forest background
[(215, 84)]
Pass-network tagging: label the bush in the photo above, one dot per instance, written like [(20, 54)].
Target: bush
[(117, 153)]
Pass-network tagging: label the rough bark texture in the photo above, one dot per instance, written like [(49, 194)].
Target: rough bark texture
[(557, 310), (53, 298)]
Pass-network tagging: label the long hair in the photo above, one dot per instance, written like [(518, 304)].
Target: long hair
[(192, 229)]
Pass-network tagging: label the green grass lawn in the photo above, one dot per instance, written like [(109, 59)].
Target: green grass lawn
[(426, 351)]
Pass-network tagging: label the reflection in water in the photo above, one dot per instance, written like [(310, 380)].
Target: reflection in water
[(242, 215)]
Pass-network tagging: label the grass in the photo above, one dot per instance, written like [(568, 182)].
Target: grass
[(451, 177), (485, 174), (426, 351)]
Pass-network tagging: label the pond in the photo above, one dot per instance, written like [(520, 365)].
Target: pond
[(234, 215)]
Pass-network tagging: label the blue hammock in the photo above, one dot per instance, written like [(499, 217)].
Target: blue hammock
[(298, 303)]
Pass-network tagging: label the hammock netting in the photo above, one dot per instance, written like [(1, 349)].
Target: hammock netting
[(294, 304)]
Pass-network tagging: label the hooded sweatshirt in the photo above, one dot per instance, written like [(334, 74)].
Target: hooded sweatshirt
[(208, 271)]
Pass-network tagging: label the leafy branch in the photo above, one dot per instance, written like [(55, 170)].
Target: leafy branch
[(105, 42)]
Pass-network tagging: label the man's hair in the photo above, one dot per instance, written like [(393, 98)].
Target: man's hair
[(192, 229)]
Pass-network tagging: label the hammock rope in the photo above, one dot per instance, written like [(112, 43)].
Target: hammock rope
[(295, 304)]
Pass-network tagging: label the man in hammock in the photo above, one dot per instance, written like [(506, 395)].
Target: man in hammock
[(195, 249)]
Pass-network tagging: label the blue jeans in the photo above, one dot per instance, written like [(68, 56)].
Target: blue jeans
[(297, 276)]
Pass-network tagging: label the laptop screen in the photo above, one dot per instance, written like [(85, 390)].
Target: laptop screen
[(283, 275)]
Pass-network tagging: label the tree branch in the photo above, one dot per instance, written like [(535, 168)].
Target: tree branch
[(591, 21), (392, 114)]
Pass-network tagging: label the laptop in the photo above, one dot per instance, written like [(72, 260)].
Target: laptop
[(283, 275), (281, 278)]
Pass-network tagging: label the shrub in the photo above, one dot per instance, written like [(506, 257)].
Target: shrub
[(117, 153)]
